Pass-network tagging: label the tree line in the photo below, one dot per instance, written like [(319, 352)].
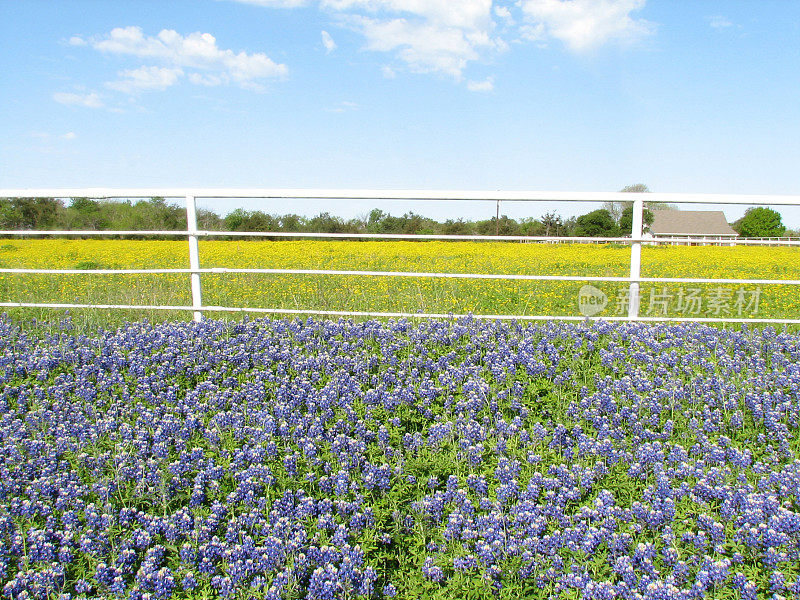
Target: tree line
[(158, 214), (613, 220)]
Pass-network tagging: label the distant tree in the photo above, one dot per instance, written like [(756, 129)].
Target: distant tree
[(244, 220), (626, 220), (235, 220), (622, 212), (30, 213), (413, 223), (458, 227), (291, 222), (507, 226), (598, 223), (568, 227), (486, 227), (503, 226), (209, 220), (636, 188), (10, 215), (552, 223), (760, 222), (157, 213), (617, 208), (530, 226), (375, 219), (326, 223), (357, 225), (85, 213)]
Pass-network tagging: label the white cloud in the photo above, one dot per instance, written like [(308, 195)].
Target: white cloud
[(77, 41), (198, 52), (504, 13), (719, 22), (146, 78), (424, 47), (87, 100), (70, 135), (487, 85), (429, 36), (446, 36), (205, 79), (328, 42), (343, 107), (586, 24)]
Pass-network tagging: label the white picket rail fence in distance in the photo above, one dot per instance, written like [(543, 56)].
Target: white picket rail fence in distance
[(192, 233)]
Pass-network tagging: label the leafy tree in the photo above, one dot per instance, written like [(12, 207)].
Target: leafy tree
[(636, 188), (209, 220), (326, 223), (531, 226), (626, 220), (375, 219), (505, 226), (617, 208), (552, 223), (760, 221), (598, 223), (459, 227), (243, 220), (30, 213), (291, 222), (10, 215), (235, 220), (417, 224), (85, 213)]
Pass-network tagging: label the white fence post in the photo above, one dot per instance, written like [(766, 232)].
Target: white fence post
[(194, 256), (636, 259)]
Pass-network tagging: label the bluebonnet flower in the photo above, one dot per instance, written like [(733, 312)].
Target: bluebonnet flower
[(300, 398)]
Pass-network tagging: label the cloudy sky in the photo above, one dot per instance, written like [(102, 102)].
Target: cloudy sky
[(584, 95)]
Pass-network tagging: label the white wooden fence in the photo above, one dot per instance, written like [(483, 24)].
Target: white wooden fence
[(192, 233)]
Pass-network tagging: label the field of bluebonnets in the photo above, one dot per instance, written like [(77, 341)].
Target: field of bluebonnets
[(442, 459)]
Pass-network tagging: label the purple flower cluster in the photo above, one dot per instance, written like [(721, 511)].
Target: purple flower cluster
[(321, 460)]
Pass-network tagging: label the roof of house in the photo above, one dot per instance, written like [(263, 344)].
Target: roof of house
[(690, 222)]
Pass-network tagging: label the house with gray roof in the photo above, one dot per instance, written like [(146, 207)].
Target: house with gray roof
[(708, 225)]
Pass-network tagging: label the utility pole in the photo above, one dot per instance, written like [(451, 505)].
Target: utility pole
[(497, 219)]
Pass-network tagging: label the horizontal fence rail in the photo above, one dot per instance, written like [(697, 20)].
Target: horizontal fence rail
[(424, 195), (192, 233)]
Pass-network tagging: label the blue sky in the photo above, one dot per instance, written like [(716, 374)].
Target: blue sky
[(688, 96)]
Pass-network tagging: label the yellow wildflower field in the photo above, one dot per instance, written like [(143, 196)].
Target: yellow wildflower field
[(406, 294)]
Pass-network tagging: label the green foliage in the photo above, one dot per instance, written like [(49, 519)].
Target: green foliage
[(157, 214), (458, 227), (760, 222), (553, 225), (626, 219), (29, 213), (243, 220), (598, 223)]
